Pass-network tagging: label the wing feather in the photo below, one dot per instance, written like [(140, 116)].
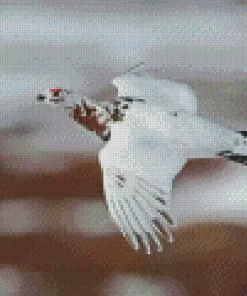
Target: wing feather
[(119, 212), (144, 217), (138, 188), (124, 226)]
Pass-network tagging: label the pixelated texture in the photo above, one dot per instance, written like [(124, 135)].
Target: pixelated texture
[(57, 237)]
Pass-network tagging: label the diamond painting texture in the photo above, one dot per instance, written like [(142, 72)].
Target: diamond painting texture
[(57, 234)]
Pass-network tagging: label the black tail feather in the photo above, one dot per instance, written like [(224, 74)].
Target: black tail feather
[(234, 155), (243, 133), (237, 158)]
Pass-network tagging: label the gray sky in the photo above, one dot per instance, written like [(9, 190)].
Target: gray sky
[(84, 44), (61, 39)]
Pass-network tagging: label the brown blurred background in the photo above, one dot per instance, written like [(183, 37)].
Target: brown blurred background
[(47, 249)]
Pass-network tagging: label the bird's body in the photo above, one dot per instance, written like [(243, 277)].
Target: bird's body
[(193, 135), (148, 147)]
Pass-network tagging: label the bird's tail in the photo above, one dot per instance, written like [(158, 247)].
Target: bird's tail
[(239, 151)]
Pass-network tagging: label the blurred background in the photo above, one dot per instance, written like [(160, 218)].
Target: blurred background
[(56, 236)]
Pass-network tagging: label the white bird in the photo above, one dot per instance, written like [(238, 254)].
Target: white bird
[(160, 130)]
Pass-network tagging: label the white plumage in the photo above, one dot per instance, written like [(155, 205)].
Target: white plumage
[(148, 149), (137, 86)]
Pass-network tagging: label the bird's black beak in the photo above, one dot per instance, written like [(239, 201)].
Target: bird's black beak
[(41, 98)]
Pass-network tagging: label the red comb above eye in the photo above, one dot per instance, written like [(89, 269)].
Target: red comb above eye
[(55, 90)]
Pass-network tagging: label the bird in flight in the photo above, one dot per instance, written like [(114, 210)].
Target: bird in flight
[(151, 129)]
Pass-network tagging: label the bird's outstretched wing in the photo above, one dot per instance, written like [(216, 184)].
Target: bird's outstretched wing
[(180, 95), (137, 182)]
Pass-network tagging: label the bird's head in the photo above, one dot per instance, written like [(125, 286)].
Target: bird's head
[(54, 96)]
